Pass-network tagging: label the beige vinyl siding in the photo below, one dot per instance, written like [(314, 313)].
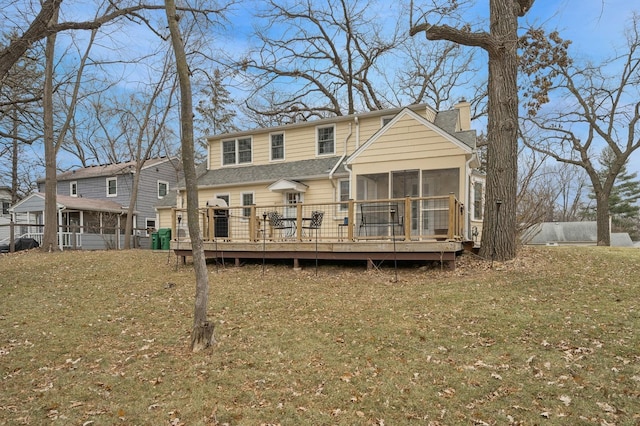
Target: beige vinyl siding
[(301, 139), (405, 140)]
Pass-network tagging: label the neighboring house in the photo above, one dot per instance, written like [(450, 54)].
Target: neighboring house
[(94, 200), (570, 233), (5, 201), (5, 215), (396, 153)]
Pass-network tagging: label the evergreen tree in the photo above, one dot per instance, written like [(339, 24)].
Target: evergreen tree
[(215, 113)]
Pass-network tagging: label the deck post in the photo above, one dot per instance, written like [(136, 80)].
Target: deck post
[(210, 226), (351, 221), (452, 216), (299, 221), (407, 219), (173, 222), (253, 219)]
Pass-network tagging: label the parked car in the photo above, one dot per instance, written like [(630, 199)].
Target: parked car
[(20, 244)]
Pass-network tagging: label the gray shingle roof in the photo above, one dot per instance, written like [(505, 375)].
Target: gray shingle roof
[(269, 173), (447, 121), (106, 169)]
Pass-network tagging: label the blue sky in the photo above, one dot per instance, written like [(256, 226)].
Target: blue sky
[(594, 26)]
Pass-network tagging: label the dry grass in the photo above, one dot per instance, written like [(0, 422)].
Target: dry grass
[(101, 338)]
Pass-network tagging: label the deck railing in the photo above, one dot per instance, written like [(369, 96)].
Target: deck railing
[(410, 218)]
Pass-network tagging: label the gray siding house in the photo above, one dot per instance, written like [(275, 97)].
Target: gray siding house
[(5, 217), (93, 201)]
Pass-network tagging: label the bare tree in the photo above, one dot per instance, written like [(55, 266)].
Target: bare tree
[(202, 333), (20, 106), (44, 25), (547, 190), (501, 42), (338, 57), (603, 112), (131, 128)]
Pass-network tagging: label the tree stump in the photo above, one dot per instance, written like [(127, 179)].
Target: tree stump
[(202, 336)]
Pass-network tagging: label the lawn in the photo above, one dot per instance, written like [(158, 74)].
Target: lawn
[(101, 338)]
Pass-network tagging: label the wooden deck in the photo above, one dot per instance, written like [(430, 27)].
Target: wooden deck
[(424, 229), (366, 251)]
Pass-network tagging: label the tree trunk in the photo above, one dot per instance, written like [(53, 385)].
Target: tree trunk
[(50, 237), (603, 223), (499, 229), (202, 333), (128, 227), (14, 159)]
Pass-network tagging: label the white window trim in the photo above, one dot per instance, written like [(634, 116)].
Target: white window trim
[(253, 198), (116, 181), (342, 208), (146, 223), (477, 216), (283, 147), (237, 152), (158, 188), (73, 184), (324, 154)]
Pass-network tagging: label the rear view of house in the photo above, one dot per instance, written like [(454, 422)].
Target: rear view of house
[(404, 152)]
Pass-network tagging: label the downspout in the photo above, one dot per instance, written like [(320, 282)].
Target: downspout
[(357, 121), (344, 155)]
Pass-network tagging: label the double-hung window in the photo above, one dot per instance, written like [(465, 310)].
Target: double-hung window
[(343, 187), (237, 151), (247, 200), (112, 187), (73, 189), (163, 188), (326, 140), (478, 206), (277, 146)]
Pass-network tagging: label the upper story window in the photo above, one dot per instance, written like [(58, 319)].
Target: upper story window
[(73, 189), (5, 208), (386, 120), (326, 140), (112, 187), (236, 151), (277, 146), (163, 188)]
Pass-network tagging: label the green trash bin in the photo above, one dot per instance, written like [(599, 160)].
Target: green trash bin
[(155, 241), (165, 238)]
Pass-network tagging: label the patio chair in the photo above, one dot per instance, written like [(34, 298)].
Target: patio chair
[(276, 222), (315, 222)]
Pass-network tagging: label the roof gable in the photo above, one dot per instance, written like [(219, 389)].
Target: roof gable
[(408, 113)]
